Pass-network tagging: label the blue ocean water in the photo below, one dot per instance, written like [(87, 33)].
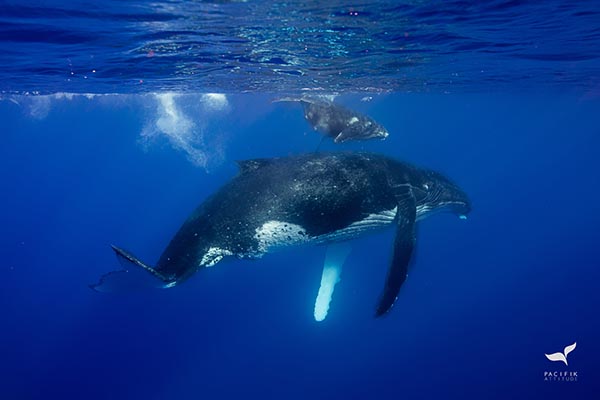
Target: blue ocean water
[(503, 97)]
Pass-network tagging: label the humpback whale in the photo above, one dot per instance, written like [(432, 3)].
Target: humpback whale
[(338, 122), (316, 198)]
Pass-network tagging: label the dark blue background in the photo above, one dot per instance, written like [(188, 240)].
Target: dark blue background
[(486, 298)]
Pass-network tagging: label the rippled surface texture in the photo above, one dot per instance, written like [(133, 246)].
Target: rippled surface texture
[(230, 46)]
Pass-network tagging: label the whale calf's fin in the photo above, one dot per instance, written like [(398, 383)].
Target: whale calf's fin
[(401, 256), (344, 135), (129, 278)]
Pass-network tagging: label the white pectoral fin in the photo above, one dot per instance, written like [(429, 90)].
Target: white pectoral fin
[(330, 277), (557, 357), (332, 271)]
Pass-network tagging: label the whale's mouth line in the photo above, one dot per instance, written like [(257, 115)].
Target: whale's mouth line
[(426, 210)]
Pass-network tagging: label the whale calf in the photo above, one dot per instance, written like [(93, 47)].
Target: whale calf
[(314, 198), (339, 122)]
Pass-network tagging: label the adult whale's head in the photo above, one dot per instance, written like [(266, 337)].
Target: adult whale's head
[(441, 194), (433, 191)]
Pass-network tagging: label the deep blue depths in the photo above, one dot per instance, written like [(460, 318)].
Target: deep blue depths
[(486, 298)]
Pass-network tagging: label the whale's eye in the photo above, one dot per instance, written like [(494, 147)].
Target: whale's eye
[(425, 186)]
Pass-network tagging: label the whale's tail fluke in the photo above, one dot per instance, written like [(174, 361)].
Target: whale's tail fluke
[(129, 278)]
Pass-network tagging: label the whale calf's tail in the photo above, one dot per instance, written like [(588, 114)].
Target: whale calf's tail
[(129, 278)]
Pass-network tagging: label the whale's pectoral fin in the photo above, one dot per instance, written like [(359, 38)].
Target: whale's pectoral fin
[(332, 270), (403, 249), (344, 135), (129, 278)]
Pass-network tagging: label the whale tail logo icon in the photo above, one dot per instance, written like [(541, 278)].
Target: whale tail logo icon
[(562, 356)]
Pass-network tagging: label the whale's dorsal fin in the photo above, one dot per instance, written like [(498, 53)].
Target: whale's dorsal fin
[(404, 243), (252, 165)]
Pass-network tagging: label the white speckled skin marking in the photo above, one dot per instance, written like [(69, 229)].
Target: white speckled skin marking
[(275, 234), (213, 256)]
